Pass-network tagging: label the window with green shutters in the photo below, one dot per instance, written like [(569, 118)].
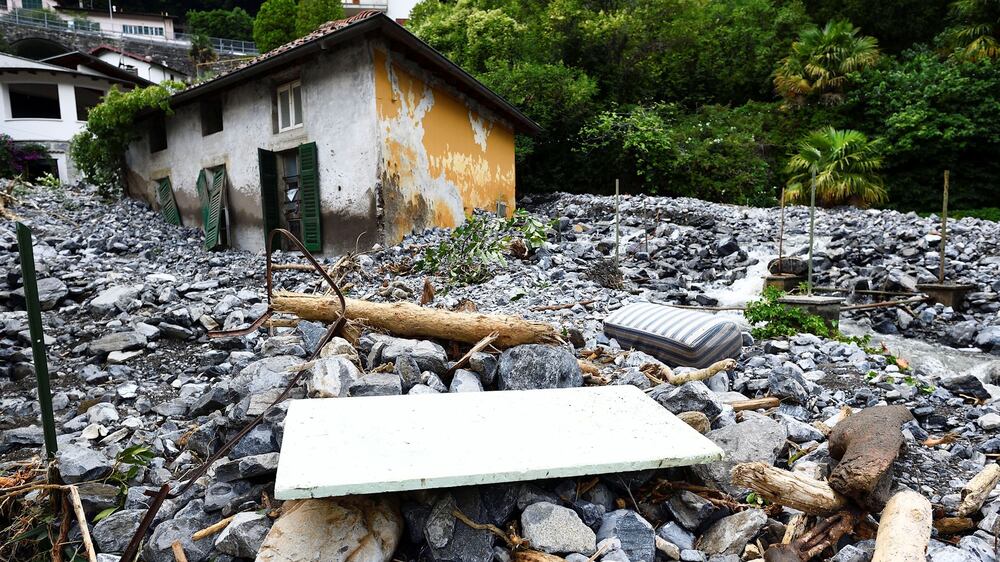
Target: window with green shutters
[(312, 234), (168, 205), (269, 200)]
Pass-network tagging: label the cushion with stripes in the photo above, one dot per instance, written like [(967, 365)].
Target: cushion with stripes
[(675, 336)]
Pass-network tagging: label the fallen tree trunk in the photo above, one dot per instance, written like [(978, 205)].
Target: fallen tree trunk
[(409, 320), (866, 444), (904, 529), (796, 491)]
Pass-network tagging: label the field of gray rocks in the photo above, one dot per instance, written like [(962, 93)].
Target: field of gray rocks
[(128, 300)]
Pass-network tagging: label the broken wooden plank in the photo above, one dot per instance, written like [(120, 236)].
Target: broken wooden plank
[(396, 443)]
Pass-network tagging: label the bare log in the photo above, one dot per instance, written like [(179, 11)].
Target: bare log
[(536, 556), (904, 530), (866, 444), (701, 374), (410, 320), (765, 403), (796, 491), (975, 491)]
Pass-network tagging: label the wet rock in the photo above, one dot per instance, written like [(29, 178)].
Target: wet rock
[(967, 385), (534, 366), (638, 539), (334, 530)]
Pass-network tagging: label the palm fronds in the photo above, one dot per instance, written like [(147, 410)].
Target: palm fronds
[(820, 61), (845, 164)]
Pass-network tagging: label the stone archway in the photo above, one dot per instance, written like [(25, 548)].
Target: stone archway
[(38, 48)]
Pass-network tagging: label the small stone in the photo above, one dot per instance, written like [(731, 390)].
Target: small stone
[(244, 535), (691, 396), (554, 529), (112, 534), (332, 377), (78, 464), (638, 539), (377, 384), (465, 381), (118, 341), (730, 535)]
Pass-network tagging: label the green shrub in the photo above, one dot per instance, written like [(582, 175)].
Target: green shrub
[(99, 149), (228, 24), (772, 319)]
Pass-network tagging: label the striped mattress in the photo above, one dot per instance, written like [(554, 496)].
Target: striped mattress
[(677, 337)]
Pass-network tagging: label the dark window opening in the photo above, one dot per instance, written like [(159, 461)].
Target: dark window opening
[(290, 192), (34, 101), (157, 134), (86, 98), (211, 116)]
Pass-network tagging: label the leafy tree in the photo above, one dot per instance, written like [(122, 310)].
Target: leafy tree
[(99, 149), (977, 32), (845, 166), (310, 14), (821, 60), (274, 25), (228, 24), (934, 114), (201, 51), (4, 46)]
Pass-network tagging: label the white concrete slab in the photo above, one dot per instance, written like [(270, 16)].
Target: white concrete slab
[(344, 446)]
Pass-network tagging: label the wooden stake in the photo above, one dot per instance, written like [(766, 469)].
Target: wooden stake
[(975, 491), (944, 227), (213, 529), (81, 518), (904, 530), (617, 230)]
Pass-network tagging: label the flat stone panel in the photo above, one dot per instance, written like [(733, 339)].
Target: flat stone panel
[(365, 445)]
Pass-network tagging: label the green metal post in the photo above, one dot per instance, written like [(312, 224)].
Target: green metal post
[(812, 230), (37, 336)]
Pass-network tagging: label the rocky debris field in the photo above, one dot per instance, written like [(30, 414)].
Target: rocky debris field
[(142, 396)]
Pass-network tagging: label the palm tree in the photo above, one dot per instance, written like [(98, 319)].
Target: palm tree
[(820, 61), (845, 164), (978, 29)]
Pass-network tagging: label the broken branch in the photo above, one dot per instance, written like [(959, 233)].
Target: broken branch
[(975, 491), (212, 529), (81, 519), (790, 489), (904, 530)]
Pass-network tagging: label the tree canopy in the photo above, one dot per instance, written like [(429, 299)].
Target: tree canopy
[(274, 24), (229, 24), (310, 14)]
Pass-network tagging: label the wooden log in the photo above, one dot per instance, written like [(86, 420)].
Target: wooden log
[(213, 528), (904, 529), (765, 403), (975, 491), (796, 491), (409, 320), (536, 556), (954, 525), (866, 444)]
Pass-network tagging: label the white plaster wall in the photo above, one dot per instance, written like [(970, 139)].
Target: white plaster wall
[(48, 130), (149, 71), (338, 115)]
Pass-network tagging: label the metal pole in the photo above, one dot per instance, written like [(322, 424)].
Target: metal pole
[(617, 232), (944, 228), (37, 337), (812, 230)]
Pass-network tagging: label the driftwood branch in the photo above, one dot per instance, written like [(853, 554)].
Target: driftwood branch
[(790, 489), (81, 518), (213, 528), (821, 537), (975, 491)]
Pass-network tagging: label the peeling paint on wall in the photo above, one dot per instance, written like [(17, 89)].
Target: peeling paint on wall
[(442, 155)]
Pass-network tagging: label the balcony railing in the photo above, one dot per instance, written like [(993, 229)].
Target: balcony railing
[(222, 46)]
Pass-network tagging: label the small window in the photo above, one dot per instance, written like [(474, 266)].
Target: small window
[(86, 98), (31, 4), (157, 134), (34, 101), (211, 116), (289, 106)]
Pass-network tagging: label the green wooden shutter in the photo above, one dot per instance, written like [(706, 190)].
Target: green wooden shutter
[(312, 235), (214, 207), (270, 205), (168, 206), (202, 186)]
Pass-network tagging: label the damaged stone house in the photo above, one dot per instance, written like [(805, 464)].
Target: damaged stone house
[(357, 133)]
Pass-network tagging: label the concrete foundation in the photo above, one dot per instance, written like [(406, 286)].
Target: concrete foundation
[(784, 282), (946, 293), (827, 308)]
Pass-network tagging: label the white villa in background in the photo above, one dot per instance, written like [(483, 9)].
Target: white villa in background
[(398, 10), (143, 66), (47, 102), (99, 18)]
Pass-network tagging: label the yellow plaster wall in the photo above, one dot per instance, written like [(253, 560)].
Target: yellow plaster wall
[(440, 156)]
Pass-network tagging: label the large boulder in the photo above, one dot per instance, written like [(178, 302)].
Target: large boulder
[(534, 366), (355, 529), (756, 438)]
